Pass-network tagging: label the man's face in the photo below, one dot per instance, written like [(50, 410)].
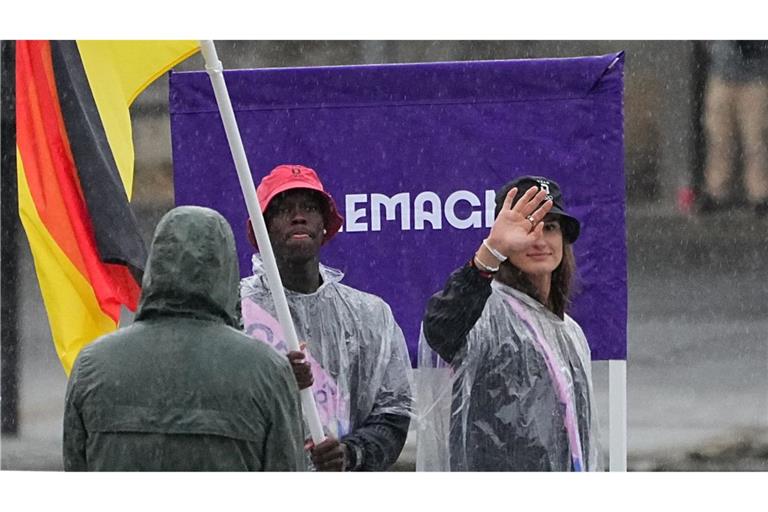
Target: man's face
[(295, 224)]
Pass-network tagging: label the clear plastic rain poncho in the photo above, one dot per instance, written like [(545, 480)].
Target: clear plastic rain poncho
[(357, 351), (517, 395)]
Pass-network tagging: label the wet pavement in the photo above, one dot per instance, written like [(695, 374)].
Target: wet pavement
[(698, 353)]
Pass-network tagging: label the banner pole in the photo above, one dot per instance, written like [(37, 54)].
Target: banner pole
[(216, 72), (617, 410)]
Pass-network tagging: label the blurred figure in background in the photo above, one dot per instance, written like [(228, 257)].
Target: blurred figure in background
[(182, 389), (736, 114)]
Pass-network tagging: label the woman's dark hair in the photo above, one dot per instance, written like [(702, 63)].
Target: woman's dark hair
[(559, 300)]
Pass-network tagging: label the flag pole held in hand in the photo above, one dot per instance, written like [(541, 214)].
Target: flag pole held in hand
[(215, 71)]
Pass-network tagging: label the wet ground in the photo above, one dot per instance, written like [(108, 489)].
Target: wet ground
[(698, 353), (698, 342)]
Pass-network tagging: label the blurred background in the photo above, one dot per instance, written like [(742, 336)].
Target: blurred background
[(697, 369)]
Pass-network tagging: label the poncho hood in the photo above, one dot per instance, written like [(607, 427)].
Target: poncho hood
[(192, 269)]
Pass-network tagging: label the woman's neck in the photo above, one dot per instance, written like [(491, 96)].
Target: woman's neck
[(542, 283)]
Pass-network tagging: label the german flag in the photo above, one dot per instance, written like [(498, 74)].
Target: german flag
[(75, 175)]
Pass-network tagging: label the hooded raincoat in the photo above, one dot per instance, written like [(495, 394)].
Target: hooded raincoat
[(510, 386), (358, 357), (182, 389)]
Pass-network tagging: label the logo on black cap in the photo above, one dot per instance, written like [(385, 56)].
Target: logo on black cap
[(544, 185)]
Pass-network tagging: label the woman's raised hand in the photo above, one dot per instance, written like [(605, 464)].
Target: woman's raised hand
[(517, 227)]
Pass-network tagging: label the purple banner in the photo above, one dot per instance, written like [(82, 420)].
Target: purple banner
[(413, 153)]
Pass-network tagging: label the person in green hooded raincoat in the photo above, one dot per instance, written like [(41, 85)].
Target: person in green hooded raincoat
[(182, 389)]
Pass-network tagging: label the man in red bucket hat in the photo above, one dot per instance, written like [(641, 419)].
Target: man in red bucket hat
[(355, 358)]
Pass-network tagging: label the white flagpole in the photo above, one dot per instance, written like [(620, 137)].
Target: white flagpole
[(216, 72)]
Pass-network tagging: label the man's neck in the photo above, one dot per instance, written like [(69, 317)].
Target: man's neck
[(300, 276)]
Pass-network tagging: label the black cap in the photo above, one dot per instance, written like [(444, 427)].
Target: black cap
[(568, 222)]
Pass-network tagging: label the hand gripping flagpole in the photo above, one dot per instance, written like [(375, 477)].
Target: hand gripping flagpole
[(215, 71)]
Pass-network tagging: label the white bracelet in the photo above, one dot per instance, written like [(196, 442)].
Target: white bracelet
[(482, 266), (496, 254)]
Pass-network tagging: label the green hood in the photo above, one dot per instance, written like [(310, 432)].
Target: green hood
[(192, 269)]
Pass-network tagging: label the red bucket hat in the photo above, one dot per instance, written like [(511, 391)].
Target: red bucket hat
[(287, 177)]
